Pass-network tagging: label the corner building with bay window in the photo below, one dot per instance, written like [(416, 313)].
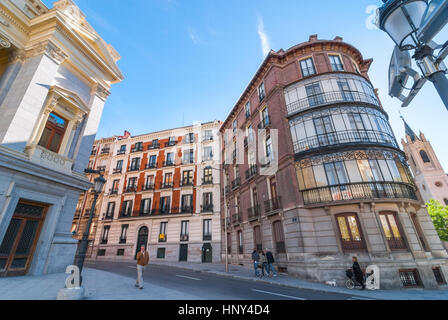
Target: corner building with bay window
[(341, 186), (162, 192)]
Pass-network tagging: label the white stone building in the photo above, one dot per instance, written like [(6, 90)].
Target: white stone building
[(55, 76)]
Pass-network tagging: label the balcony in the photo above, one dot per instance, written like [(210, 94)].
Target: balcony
[(93, 153), (207, 138), (143, 213), (117, 170), (186, 183), (124, 214), (113, 191), (108, 215), (122, 241), (330, 97), (184, 237), (272, 205), (265, 123), (208, 180), (254, 212), (251, 172), (137, 149), (130, 189), (169, 163), (105, 151), (132, 169), (154, 146), (207, 237), (151, 166), (207, 208), (359, 191), (101, 168), (189, 141), (162, 237), (187, 161), (396, 243), (186, 209), (167, 185), (236, 218), (170, 143), (236, 183), (343, 138), (148, 187), (121, 152)]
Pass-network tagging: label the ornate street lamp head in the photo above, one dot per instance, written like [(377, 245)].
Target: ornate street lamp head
[(401, 19), (99, 184)]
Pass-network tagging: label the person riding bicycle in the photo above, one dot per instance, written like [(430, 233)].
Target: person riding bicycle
[(359, 275)]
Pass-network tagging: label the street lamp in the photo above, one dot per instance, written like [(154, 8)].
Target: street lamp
[(412, 24), (98, 185)]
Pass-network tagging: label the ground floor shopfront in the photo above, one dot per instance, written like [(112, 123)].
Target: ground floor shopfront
[(183, 237), (36, 209), (317, 243)]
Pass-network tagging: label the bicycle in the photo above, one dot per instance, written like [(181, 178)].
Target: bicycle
[(351, 282)]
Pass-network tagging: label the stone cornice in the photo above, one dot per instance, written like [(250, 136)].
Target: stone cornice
[(50, 49)]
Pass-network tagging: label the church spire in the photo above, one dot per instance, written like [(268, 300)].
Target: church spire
[(409, 132)]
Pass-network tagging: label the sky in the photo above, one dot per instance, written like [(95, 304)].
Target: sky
[(190, 60)]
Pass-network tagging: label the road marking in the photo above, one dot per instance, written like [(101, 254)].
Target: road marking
[(359, 298), (133, 267), (191, 278), (278, 294)]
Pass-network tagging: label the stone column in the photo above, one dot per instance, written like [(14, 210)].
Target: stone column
[(15, 61), (23, 103)]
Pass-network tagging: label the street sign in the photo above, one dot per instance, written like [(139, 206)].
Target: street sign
[(434, 19)]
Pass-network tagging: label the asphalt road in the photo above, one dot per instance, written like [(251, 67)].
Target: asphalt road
[(214, 287)]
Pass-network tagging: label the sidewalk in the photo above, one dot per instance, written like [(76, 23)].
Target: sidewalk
[(244, 273), (99, 285)]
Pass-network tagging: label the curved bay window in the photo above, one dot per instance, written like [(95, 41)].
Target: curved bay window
[(328, 89), (53, 133), (350, 232), (341, 125), (354, 175)]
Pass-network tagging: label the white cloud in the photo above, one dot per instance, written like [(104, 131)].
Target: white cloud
[(264, 39), (194, 36)]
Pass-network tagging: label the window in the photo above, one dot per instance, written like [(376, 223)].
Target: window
[(336, 64), (240, 242), (410, 278), (115, 185), (207, 202), (126, 210), (169, 158), (187, 177), (168, 181), (247, 109), (101, 252), (149, 184), (135, 164), (53, 133), (439, 276), (269, 151), (307, 67), (138, 147), (152, 163), (336, 173), (261, 92), (279, 237), (145, 207), (184, 231), (324, 129), (189, 137), (314, 94), (257, 238), (124, 233), (122, 149), (424, 156), (392, 231), (208, 175), (155, 143), (120, 252), (235, 125), (119, 165), (105, 234), (265, 121), (187, 203), (350, 234), (347, 94), (110, 210), (132, 184), (162, 233), (171, 141), (250, 134), (188, 156), (160, 253), (207, 230), (208, 153), (355, 67), (208, 135), (165, 204)]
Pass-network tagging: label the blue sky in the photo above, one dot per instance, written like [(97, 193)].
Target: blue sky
[(190, 60)]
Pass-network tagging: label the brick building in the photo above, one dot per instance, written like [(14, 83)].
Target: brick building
[(162, 191), (313, 172)]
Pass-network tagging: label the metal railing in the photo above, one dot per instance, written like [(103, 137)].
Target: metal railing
[(252, 171), (168, 163), (139, 149), (236, 218), (207, 208), (113, 191), (273, 204), (359, 191), (345, 137), (151, 166), (147, 187), (329, 98), (120, 152), (105, 151), (117, 170), (254, 212), (130, 189), (154, 146), (236, 183), (207, 180)]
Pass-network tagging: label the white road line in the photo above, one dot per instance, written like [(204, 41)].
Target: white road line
[(278, 294), (133, 267), (191, 278), (359, 298)]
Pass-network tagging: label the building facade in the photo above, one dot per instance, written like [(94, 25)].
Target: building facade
[(429, 175), (55, 76), (162, 191), (314, 173)]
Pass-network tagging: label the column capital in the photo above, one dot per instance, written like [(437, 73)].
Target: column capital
[(17, 56), (101, 92), (50, 49)]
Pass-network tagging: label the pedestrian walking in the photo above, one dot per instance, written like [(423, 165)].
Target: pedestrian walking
[(142, 262), (255, 259), (359, 276), (271, 260), (264, 264)]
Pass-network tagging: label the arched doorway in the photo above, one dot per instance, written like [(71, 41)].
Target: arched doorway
[(207, 253), (142, 240)]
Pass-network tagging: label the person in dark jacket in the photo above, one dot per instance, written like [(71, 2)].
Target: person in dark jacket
[(359, 276), (255, 259), (270, 258), (264, 264)]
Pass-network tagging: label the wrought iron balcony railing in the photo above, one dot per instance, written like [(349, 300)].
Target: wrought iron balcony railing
[(154, 146), (272, 204), (208, 180), (168, 163), (136, 168), (251, 172), (359, 191), (254, 212), (149, 186), (207, 208), (330, 97), (137, 149), (117, 170), (130, 189), (236, 183), (345, 137), (236, 218), (105, 151), (120, 152), (186, 209), (151, 166)]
